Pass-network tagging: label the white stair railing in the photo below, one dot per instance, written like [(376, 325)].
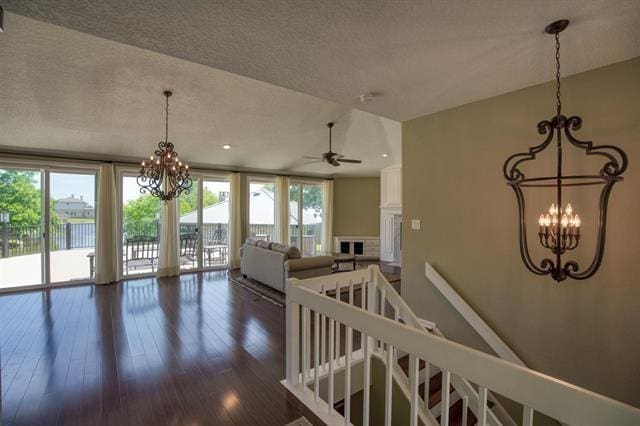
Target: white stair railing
[(380, 336)]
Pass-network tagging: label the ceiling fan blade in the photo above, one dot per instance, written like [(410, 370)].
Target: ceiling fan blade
[(346, 160), (313, 158), (312, 162)]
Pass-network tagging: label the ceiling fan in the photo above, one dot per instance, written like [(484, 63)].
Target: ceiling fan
[(331, 157)]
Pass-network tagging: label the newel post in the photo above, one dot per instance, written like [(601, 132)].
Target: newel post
[(292, 335)]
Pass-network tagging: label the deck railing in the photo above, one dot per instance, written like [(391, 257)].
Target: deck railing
[(18, 240), (315, 355)]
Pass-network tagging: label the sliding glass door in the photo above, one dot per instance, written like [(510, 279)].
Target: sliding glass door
[(262, 208), (72, 218), (140, 229), (22, 219), (47, 225), (305, 218), (204, 224)]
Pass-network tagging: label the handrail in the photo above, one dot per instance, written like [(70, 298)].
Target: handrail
[(462, 386), (479, 325), (558, 399)]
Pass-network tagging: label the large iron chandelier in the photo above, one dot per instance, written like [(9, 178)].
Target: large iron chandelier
[(164, 175), (559, 228)]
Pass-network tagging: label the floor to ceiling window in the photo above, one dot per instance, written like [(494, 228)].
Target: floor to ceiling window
[(262, 208), (47, 225), (305, 217)]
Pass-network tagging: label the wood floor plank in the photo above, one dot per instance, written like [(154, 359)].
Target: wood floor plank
[(196, 349)]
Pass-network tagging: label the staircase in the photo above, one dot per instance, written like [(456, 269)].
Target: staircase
[(341, 326), (457, 406)]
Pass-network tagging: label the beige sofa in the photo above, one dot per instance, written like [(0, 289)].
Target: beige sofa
[(272, 264)]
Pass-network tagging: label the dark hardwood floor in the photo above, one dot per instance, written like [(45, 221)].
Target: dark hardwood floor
[(194, 350)]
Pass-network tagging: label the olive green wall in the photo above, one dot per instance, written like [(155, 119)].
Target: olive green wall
[(356, 207), (585, 332)]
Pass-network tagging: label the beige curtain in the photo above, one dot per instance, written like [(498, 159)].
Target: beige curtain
[(169, 251), (282, 210), (327, 216), (235, 221), (106, 256)]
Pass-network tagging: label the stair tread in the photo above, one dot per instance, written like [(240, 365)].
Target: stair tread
[(403, 362), (455, 415)]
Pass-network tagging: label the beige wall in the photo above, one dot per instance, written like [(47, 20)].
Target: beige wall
[(584, 332), (356, 207)]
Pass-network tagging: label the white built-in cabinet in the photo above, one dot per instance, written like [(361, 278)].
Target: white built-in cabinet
[(361, 247), (391, 213), (391, 187)]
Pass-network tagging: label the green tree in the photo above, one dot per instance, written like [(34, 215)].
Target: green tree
[(140, 216), (20, 196), (311, 196), (189, 203)]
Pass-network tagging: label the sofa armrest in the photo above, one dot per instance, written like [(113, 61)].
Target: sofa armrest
[(312, 262)]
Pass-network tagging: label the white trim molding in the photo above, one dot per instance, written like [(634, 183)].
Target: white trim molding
[(479, 325)]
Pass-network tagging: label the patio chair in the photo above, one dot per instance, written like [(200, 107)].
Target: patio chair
[(188, 249), (141, 252)]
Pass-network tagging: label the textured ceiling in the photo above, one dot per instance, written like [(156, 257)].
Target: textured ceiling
[(420, 56), (63, 90)]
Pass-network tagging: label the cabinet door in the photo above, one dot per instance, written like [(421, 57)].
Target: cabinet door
[(391, 187), (386, 237)]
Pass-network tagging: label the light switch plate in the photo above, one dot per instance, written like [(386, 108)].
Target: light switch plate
[(415, 224)]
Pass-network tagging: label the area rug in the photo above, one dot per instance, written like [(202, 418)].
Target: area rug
[(278, 298), (264, 291)]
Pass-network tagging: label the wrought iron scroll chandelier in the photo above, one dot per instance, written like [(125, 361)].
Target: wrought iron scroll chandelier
[(559, 228), (164, 175)]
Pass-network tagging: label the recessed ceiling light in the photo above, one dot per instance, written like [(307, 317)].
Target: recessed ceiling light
[(385, 155), (365, 98), (227, 147)]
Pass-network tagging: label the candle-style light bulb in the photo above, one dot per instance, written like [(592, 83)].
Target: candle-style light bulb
[(157, 161), (151, 157), (552, 209), (143, 164), (564, 221), (186, 166), (568, 210), (554, 219), (576, 221), (541, 220), (547, 220)]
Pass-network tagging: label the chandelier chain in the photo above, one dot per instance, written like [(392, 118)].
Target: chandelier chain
[(166, 120), (558, 94)]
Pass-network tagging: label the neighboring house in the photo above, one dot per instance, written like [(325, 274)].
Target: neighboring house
[(74, 208)]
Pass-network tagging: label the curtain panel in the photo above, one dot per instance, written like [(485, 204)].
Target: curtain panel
[(169, 251), (282, 210), (235, 221), (106, 227), (327, 220)]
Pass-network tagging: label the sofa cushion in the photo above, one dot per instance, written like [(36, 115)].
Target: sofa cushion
[(264, 244), (292, 252), (251, 241), (311, 262)]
